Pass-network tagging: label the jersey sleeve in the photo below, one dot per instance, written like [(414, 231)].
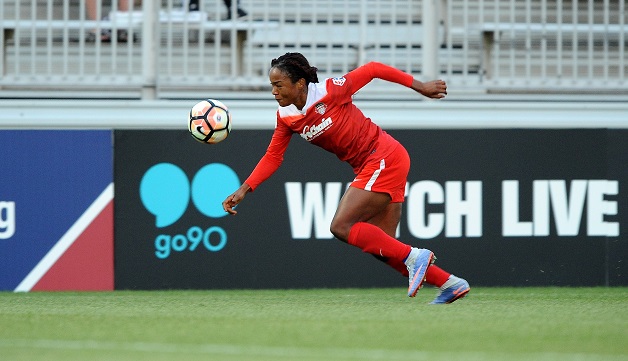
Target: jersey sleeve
[(272, 159), (362, 75)]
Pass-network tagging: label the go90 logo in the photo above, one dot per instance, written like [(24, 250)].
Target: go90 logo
[(165, 191)]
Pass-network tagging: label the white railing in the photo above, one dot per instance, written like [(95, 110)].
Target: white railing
[(531, 46), (561, 44)]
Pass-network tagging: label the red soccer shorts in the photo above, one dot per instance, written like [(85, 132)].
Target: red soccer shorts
[(385, 175)]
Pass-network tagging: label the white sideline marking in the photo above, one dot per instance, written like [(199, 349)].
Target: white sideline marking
[(66, 240), (297, 353)]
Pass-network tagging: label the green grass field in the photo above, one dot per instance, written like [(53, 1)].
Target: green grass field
[(329, 324)]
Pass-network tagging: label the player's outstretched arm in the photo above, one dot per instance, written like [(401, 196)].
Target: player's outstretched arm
[(235, 198), (435, 89)]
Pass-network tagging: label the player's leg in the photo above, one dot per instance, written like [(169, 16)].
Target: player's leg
[(380, 183), (451, 287), (350, 224), (388, 220)]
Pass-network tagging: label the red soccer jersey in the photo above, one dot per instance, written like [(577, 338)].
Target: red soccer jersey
[(331, 121)]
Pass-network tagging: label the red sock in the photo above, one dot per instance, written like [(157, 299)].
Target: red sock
[(374, 240), (398, 265), (436, 276)]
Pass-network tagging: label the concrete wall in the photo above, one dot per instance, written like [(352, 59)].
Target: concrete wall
[(408, 113)]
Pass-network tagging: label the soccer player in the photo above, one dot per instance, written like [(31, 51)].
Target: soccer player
[(368, 214)]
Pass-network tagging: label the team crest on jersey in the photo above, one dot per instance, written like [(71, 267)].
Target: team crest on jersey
[(320, 108), (339, 81)]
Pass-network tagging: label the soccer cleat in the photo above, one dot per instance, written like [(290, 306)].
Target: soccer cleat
[(456, 290), (418, 261)]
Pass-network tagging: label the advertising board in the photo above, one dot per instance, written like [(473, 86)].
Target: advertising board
[(516, 207), (56, 210)]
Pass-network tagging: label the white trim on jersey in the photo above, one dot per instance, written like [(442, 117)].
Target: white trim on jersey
[(315, 92), (369, 184)]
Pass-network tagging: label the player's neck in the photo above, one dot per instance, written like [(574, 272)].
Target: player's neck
[(302, 100)]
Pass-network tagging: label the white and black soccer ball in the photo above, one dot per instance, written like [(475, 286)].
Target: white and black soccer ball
[(210, 121)]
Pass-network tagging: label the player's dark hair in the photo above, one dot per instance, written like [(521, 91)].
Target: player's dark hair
[(295, 66)]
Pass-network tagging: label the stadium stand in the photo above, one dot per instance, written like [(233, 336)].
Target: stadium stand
[(550, 46)]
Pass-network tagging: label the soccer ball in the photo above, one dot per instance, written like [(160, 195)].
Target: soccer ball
[(210, 121)]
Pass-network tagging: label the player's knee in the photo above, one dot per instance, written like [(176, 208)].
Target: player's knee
[(340, 230)]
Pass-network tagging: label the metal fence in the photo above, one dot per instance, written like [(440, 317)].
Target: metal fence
[(162, 49)]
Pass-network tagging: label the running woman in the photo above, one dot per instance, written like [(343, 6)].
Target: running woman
[(370, 210)]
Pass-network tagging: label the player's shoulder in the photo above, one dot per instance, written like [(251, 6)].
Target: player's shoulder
[(336, 82), (338, 86)]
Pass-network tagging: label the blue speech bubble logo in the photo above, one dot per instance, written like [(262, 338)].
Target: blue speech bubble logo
[(165, 192), (211, 185)]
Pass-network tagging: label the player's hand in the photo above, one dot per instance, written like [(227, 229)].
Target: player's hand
[(236, 197), (435, 89)]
